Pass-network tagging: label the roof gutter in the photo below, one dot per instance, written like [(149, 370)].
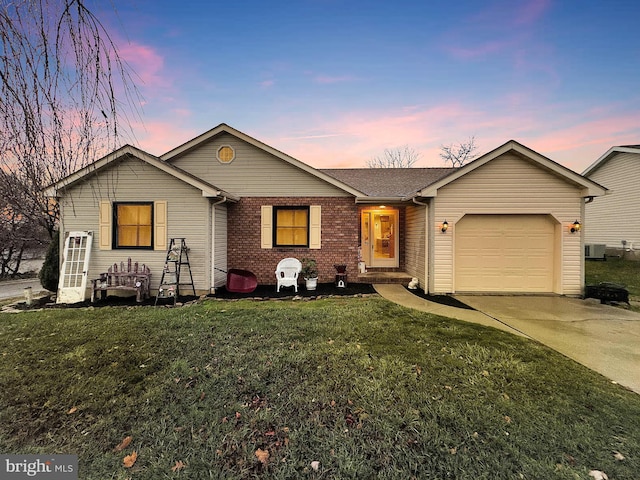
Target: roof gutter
[(224, 199), (379, 200)]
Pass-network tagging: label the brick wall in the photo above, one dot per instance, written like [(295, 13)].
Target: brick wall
[(339, 236)]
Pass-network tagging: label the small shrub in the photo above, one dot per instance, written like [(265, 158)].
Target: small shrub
[(50, 271), (309, 268)]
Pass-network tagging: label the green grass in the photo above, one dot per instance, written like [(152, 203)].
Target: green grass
[(614, 270), (366, 388)]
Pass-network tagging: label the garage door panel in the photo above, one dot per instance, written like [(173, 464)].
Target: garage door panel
[(504, 253)]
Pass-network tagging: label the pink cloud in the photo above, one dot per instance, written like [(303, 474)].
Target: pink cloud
[(158, 137), (574, 139), (495, 29), (531, 12), (582, 142), (326, 79), (146, 62), (353, 138), (479, 50)]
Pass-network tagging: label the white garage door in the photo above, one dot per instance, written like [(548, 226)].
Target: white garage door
[(504, 253)]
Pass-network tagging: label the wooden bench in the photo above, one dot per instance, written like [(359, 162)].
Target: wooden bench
[(129, 278)]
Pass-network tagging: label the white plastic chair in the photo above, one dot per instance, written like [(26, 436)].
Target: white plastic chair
[(287, 273)]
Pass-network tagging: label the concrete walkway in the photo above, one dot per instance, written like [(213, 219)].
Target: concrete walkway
[(604, 338)]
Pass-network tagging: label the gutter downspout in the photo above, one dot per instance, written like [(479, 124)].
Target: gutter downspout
[(425, 288)]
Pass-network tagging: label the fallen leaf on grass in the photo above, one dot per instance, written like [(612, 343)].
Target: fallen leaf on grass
[(123, 444), (72, 410), (598, 475), (315, 465), (618, 456), (129, 460), (262, 455), (178, 466), (507, 418), (349, 420)]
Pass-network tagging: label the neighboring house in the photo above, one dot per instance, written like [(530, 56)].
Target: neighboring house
[(243, 204), (614, 220)]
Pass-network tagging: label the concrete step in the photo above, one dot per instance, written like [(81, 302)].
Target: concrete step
[(373, 276)]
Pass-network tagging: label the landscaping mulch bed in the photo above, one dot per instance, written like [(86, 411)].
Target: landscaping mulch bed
[(442, 299), (323, 289), (262, 292)]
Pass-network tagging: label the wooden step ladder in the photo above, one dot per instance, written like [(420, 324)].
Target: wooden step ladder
[(172, 274)]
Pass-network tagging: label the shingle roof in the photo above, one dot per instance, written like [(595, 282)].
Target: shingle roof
[(388, 182)]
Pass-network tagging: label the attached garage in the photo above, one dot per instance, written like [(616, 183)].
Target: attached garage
[(509, 217), (505, 253)]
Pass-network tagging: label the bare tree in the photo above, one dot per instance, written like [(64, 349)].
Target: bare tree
[(18, 233), (399, 157), (459, 154), (65, 97)]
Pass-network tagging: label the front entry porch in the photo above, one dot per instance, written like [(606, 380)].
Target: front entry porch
[(382, 245)]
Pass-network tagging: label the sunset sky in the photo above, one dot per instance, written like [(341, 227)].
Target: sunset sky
[(335, 82)]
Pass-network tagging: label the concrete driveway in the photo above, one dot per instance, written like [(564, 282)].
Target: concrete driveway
[(602, 337)]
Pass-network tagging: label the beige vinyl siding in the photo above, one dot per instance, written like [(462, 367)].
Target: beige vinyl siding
[(253, 172), (614, 217), (220, 245), (416, 243), (131, 180), (509, 185)]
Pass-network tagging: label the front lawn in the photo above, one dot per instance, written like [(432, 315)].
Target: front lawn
[(334, 388)]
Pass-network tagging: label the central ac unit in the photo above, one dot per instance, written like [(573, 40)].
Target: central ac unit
[(595, 251)]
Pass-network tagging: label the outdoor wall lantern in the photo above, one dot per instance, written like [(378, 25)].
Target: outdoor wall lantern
[(445, 226), (575, 226)]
